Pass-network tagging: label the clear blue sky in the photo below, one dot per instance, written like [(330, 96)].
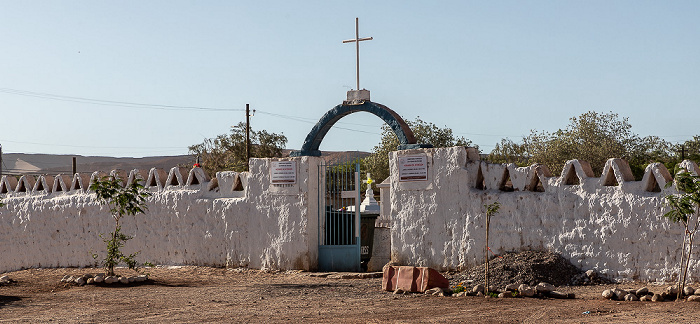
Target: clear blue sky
[(486, 69)]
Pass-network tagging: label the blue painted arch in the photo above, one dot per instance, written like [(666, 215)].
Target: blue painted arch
[(391, 118)]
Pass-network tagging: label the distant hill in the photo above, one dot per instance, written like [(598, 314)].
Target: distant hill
[(20, 163)]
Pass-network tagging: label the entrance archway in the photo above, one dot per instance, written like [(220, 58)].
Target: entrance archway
[(391, 118)]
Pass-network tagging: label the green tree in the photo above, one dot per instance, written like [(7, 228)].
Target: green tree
[(226, 152), (129, 200), (685, 207), (425, 132), (688, 150), (592, 137)]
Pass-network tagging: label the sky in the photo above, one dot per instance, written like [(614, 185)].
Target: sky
[(150, 78)]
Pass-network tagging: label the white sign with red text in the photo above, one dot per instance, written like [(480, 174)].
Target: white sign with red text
[(413, 168), (283, 172)]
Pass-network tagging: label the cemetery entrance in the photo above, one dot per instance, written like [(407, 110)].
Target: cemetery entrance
[(339, 217)]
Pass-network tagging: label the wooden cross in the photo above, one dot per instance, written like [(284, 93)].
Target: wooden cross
[(357, 41)]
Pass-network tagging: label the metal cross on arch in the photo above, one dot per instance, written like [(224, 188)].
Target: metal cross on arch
[(357, 41)]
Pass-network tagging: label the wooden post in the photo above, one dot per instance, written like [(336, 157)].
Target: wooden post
[(75, 166)]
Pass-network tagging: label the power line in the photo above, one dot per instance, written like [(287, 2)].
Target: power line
[(89, 146), (50, 96)]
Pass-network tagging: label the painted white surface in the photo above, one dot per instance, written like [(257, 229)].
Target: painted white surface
[(259, 227), (618, 230)]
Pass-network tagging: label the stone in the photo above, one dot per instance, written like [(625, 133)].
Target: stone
[(672, 290), (479, 294), (631, 297), (131, 279), (657, 298), (512, 287), (99, 278), (619, 294), (398, 291), (608, 294), (645, 298), (437, 291), (80, 281), (505, 295), (5, 279), (697, 291), (687, 290), (694, 298), (141, 278), (88, 276), (544, 287), (591, 274), (124, 280), (65, 278), (526, 291), (460, 294), (90, 281), (641, 291), (557, 294), (111, 279), (478, 289)]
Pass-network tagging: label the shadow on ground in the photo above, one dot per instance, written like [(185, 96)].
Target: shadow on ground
[(4, 300)]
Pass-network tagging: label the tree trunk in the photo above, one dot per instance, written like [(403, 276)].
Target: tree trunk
[(486, 255), (681, 278)]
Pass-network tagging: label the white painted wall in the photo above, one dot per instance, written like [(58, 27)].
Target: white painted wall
[(261, 227), (618, 230)]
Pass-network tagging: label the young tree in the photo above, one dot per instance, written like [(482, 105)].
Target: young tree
[(227, 151), (129, 200), (491, 209), (685, 208), (378, 162)]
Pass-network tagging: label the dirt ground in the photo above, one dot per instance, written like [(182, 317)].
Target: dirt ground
[(204, 294)]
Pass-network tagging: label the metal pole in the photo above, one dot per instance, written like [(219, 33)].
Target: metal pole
[(357, 49), (247, 137), (75, 166)]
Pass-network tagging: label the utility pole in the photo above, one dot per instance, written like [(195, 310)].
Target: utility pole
[(247, 137), (0, 160), (682, 152), (75, 166)]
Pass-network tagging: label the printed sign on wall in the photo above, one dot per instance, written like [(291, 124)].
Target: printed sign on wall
[(283, 172), (413, 168)]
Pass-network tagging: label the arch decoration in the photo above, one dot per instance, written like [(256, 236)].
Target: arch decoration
[(396, 123)]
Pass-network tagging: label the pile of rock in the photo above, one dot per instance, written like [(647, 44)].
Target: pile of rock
[(530, 268), (644, 294), (100, 279), (540, 290)]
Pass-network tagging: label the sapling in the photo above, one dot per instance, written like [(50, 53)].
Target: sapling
[(685, 207), (129, 200), (491, 209)]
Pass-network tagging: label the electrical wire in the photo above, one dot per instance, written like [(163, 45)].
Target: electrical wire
[(109, 102)]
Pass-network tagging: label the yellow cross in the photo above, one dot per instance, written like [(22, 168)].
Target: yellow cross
[(369, 180)]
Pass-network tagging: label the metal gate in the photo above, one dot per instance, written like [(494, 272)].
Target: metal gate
[(339, 217)]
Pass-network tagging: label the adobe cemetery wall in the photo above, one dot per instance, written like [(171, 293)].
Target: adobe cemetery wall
[(612, 224), (236, 219)]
